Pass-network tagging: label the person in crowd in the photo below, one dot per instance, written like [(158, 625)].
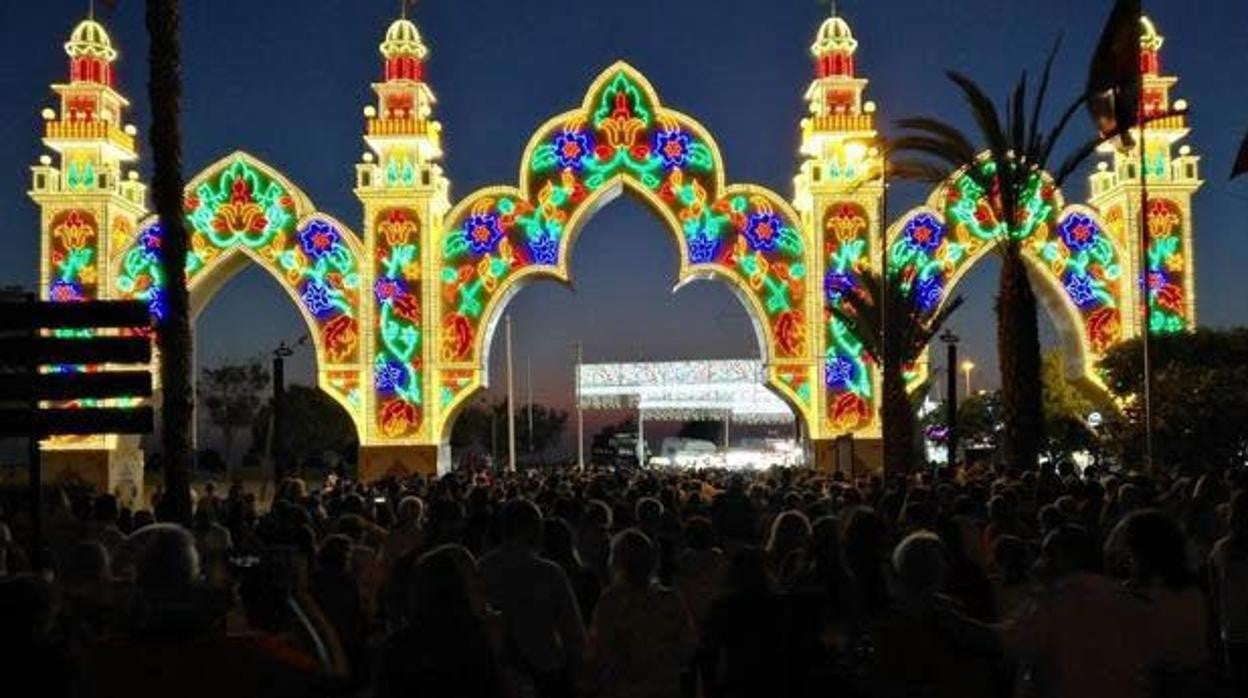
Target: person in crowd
[(1228, 568), (444, 650), (173, 648), (559, 546), (787, 546), (743, 644), (914, 653), (544, 630), (642, 636)]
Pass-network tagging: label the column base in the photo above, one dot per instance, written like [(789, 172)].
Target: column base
[(380, 462), (118, 471), (850, 456)]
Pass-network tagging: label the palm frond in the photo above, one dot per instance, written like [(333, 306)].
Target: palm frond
[(985, 114), (950, 134), (1034, 140), (920, 171), (1017, 118), (1050, 141), (1076, 158)]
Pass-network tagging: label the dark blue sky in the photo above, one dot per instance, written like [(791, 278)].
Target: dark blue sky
[(287, 80)]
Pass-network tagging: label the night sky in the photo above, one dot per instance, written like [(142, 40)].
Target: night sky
[(287, 81)]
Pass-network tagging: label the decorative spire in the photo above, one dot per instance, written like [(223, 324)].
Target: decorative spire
[(91, 53), (404, 51), (1150, 47), (834, 48)]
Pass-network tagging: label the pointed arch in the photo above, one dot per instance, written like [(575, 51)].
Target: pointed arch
[(241, 211), (621, 139)]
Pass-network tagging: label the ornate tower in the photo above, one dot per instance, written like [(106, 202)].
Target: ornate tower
[(89, 208), (839, 192), (1171, 175), (404, 193)]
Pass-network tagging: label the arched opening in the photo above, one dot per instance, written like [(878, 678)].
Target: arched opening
[(622, 271)]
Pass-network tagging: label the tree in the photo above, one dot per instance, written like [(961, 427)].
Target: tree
[(312, 424), (231, 393), (1200, 399), (174, 326), (484, 425), (1066, 411), (910, 329), (1018, 151)]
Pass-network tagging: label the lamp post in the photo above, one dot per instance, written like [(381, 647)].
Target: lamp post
[(280, 354), (951, 375), (967, 367)]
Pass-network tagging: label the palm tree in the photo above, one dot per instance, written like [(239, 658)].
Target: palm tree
[(1015, 153), (174, 333), (909, 331)]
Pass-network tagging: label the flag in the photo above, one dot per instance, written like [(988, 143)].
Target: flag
[(1241, 160), (1113, 88)]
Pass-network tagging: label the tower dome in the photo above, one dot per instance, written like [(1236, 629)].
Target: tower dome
[(403, 39), (1150, 40), (89, 40), (834, 36), (1150, 47)]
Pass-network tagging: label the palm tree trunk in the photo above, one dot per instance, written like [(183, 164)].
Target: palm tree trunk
[(174, 333), (1018, 348), (898, 425)]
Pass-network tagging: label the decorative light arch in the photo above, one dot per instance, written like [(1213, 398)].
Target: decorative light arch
[(241, 211), (622, 137), (1077, 268)]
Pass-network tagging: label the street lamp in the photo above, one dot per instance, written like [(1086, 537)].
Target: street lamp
[(951, 375), (967, 367)]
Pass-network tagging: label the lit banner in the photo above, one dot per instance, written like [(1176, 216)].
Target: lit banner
[(680, 390)]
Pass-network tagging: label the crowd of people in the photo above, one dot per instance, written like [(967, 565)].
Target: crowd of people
[(643, 584)]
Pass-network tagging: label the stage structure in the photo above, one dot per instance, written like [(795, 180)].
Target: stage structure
[(402, 312), (730, 390)]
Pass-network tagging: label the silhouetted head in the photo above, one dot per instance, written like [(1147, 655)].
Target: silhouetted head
[(1067, 549), (442, 584), (1157, 549), (558, 543), (790, 531), (633, 558), (411, 511), (87, 563), (168, 563), (521, 522), (919, 563)]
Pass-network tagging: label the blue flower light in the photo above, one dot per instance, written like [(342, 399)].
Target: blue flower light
[(317, 298), (1079, 288), (572, 147), (389, 376), (319, 239), (702, 248), (928, 293), (836, 284), (545, 249), (482, 232), (1079, 232), (924, 232), (839, 372), (673, 147), (763, 231)]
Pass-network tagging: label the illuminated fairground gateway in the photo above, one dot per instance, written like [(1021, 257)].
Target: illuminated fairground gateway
[(402, 312)]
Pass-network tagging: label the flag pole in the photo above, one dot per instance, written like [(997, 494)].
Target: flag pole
[(511, 405), (1146, 291)]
